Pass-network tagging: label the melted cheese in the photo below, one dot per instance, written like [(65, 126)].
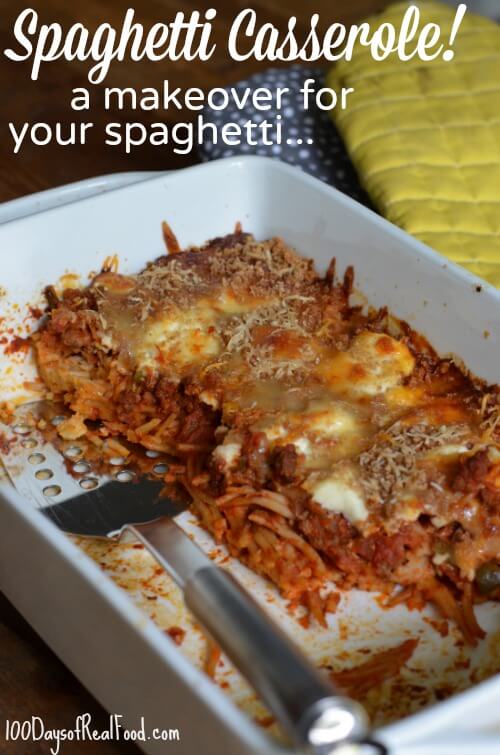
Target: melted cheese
[(331, 420), (322, 431), (188, 337), (331, 425), (409, 508), (404, 397), (304, 446), (181, 340), (227, 454), (339, 493), (373, 364), (210, 399)]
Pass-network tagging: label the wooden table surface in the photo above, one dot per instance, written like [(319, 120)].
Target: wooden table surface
[(32, 679)]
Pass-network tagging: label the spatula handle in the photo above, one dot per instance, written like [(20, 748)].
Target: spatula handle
[(306, 704)]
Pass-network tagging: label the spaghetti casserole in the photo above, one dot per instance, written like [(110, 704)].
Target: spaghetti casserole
[(318, 442)]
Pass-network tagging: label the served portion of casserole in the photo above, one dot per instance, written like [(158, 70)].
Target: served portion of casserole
[(319, 442)]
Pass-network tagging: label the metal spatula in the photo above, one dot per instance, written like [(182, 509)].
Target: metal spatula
[(120, 505)]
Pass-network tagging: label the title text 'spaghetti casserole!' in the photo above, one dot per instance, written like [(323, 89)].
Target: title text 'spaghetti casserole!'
[(317, 441)]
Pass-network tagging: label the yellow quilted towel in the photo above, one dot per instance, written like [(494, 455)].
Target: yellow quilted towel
[(425, 138)]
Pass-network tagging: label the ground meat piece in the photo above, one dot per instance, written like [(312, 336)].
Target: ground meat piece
[(165, 392), (148, 380), (198, 426), (387, 552), (425, 370), (127, 403), (471, 473), (76, 330), (325, 530), (228, 241), (339, 540), (187, 259), (192, 259), (78, 299), (284, 463)]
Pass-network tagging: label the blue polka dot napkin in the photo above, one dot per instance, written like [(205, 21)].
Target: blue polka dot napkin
[(326, 158)]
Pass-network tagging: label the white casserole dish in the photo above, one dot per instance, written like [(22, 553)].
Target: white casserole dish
[(92, 625)]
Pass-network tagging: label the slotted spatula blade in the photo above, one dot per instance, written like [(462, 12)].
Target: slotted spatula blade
[(67, 489)]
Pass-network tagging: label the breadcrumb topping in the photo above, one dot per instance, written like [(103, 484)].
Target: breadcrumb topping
[(391, 462)]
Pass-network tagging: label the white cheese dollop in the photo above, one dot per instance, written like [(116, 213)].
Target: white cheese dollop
[(339, 494), (373, 364), (227, 453)]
